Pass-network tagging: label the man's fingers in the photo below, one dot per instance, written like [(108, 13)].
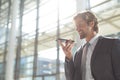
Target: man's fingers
[(60, 43), (67, 45), (70, 47)]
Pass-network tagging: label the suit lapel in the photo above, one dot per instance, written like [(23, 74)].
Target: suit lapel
[(97, 48)]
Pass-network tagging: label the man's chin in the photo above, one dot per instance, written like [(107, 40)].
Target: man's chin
[(81, 37)]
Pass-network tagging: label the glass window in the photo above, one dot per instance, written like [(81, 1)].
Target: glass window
[(38, 78), (96, 2), (26, 72), (26, 62), (29, 22), (1, 68), (47, 63), (26, 78), (50, 78)]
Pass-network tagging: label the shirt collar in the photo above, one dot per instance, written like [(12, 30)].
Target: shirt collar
[(94, 39)]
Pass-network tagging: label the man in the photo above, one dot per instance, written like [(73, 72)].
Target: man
[(102, 60)]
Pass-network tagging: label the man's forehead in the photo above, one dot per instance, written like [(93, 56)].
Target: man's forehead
[(79, 20)]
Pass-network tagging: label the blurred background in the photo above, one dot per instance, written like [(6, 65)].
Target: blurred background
[(29, 29)]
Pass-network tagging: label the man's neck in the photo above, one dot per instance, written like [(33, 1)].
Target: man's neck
[(90, 36)]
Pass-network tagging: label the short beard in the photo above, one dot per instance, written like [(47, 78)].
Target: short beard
[(82, 36)]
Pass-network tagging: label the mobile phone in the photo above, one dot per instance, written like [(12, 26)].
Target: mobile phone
[(64, 40)]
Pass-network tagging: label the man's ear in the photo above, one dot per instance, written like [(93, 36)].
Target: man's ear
[(92, 23)]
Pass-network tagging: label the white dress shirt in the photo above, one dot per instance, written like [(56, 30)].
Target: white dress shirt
[(91, 47)]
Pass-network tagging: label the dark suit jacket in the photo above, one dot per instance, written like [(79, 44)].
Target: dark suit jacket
[(105, 61)]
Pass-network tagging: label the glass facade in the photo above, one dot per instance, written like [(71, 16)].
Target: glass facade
[(37, 23)]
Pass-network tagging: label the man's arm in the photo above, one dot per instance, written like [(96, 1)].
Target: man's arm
[(69, 69)]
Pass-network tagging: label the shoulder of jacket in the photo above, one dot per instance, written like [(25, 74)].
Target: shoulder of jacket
[(109, 40)]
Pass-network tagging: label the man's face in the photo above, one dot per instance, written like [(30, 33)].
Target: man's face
[(82, 28)]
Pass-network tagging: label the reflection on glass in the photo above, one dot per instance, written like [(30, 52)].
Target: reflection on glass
[(46, 66), (47, 62), (38, 78), (26, 66), (1, 68), (26, 78), (26, 72), (50, 78)]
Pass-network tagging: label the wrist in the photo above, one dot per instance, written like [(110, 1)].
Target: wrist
[(69, 57)]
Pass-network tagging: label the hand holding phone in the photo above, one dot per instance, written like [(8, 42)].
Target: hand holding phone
[(66, 46)]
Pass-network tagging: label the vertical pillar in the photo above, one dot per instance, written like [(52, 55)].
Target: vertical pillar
[(6, 39), (19, 43), (81, 5), (11, 45), (57, 36), (88, 7), (36, 41)]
